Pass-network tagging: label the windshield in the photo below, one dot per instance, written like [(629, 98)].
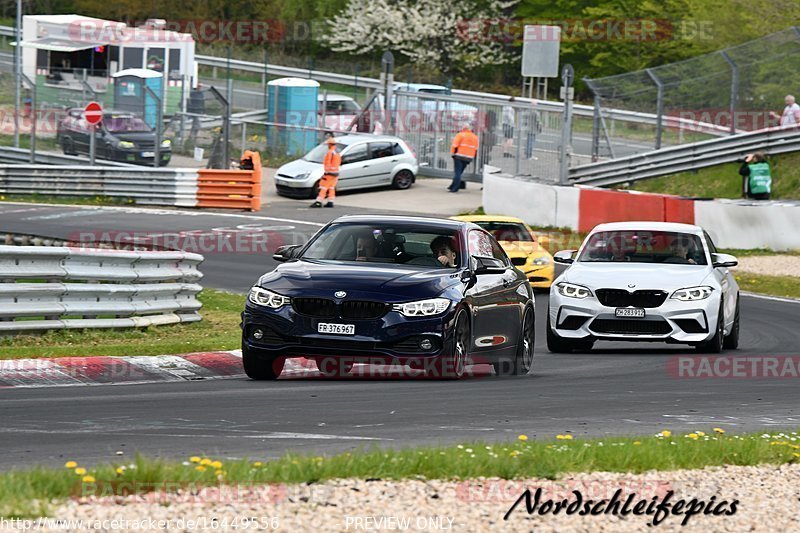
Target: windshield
[(434, 91), (125, 124), (507, 231), (340, 107), (317, 154), (386, 244), (644, 247)]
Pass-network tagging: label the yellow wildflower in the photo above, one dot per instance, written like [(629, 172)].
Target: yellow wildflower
[(80, 471), (523, 438), (70, 464), (88, 479)]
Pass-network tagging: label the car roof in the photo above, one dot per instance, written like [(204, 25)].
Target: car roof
[(332, 97), (354, 138), (421, 86), (647, 225), (488, 218), (400, 219)]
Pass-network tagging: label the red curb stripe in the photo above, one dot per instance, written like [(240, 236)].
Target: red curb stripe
[(220, 363), (104, 370)]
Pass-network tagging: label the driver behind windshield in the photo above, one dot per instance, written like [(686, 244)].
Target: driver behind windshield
[(445, 251), (366, 247), (680, 248)]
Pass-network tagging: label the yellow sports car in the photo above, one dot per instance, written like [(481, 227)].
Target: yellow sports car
[(520, 243)]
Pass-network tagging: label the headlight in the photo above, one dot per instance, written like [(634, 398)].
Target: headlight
[(302, 176), (166, 143), (126, 144), (543, 260), (267, 298), (434, 306), (573, 291), (692, 293)]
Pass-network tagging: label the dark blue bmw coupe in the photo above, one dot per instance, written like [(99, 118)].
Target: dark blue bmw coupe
[(429, 293)]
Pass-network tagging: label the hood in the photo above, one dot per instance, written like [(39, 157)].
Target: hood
[(297, 167), (367, 281), (642, 275), (137, 137), (521, 248)]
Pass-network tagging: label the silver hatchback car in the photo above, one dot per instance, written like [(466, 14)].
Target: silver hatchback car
[(367, 161)]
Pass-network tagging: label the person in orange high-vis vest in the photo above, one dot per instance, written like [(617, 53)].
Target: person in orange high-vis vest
[(327, 185), (463, 150)]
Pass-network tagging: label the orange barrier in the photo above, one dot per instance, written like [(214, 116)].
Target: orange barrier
[(231, 189), (597, 206)]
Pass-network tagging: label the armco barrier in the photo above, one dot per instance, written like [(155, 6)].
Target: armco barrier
[(732, 223), (180, 187), (43, 287)]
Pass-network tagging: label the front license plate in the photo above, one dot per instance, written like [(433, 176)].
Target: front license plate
[(148, 154), (336, 329), (629, 312)]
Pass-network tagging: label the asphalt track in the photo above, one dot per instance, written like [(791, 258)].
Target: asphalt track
[(616, 389)]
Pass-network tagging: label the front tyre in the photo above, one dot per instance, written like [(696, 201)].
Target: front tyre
[(558, 344), (716, 343), (452, 364), (732, 340), (261, 368), (523, 361)]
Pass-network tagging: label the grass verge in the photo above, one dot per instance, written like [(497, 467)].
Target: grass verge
[(26, 493), (67, 200), (219, 330), (783, 286), (724, 181)]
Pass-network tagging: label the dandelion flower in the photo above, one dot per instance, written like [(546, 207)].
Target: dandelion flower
[(567, 437), (259, 463), (88, 479), (206, 462), (666, 433), (523, 438), (216, 465), (194, 459), (80, 471), (200, 468), (637, 442), (719, 430), (70, 464)]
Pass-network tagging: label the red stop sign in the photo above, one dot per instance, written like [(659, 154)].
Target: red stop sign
[(93, 113)]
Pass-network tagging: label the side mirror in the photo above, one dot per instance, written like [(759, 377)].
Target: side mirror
[(564, 257), (724, 260), (285, 253), (487, 265)]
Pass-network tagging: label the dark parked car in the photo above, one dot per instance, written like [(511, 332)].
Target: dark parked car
[(429, 293), (121, 136)]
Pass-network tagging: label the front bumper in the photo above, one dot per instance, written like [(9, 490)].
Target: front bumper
[(393, 338), (673, 321), (540, 277)]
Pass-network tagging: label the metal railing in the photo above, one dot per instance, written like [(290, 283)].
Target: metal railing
[(175, 187), (686, 157), (10, 155), (45, 288)]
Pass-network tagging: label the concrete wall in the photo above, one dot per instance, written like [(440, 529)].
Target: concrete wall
[(732, 223)]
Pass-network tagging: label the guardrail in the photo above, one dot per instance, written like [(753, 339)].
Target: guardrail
[(45, 288), (180, 187), (23, 155), (686, 157)]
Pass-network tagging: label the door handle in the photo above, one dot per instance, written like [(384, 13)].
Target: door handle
[(365, 166), (394, 160)]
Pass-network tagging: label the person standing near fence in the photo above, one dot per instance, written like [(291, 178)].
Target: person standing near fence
[(791, 113), (327, 185), (463, 150), (508, 128)]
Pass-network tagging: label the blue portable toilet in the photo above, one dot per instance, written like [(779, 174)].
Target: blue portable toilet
[(293, 101), (129, 93)]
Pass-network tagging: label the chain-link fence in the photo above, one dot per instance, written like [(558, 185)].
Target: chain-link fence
[(732, 90)]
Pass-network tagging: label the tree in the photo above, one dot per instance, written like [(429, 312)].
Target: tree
[(452, 37)]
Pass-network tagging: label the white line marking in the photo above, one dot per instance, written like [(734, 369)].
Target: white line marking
[(144, 211), (772, 298)]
